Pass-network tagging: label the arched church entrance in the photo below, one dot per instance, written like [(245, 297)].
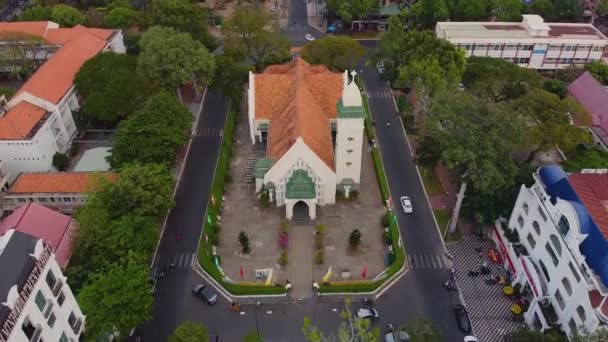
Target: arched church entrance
[(301, 211)]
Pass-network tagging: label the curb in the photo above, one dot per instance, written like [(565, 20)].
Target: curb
[(181, 171)]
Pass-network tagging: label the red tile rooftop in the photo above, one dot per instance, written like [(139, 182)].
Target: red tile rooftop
[(592, 189)]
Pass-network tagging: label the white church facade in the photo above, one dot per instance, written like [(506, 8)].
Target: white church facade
[(312, 122)]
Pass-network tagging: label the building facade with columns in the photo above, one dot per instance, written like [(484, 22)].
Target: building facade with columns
[(555, 244), (311, 122)]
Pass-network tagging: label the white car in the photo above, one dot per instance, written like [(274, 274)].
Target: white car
[(470, 339), (309, 37), (406, 204), (371, 314)]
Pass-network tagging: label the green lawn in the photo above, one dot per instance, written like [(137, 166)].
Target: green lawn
[(431, 182), (442, 216)]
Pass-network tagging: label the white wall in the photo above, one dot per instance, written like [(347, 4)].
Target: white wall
[(349, 129), (300, 156)]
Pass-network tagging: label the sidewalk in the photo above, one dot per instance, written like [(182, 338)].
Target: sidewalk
[(318, 24)]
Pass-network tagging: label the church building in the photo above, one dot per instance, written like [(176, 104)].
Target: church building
[(311, 121)]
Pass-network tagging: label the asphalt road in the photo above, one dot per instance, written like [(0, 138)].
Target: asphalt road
[(417, 294)]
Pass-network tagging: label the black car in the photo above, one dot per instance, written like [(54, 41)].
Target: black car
[(462, 318), (206, 294)]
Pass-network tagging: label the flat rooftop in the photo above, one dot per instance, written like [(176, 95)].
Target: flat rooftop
[(511, 30)]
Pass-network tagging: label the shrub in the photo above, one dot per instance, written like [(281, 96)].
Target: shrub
[(8, 92), (214, 239), (385, 219), (319, 256), (386, 237), (403, 105), (320, 228), (283, 240), (283, 258), (215, 228), (264, 198), (354, 239), (245, 242), (60, 161)]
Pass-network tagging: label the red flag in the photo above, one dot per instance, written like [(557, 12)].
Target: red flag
[(364, 272), (241, 271)]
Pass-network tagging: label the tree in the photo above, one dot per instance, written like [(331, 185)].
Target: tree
[(497, 79), (599, 335), (508, 10), (599, 70), (469, 10), (253, 337), (477, 139), (357, 329), (354, 239), (36, 13), (119, 4), (245, 242), (428, 12), (184, 16), (142, 190), (60, 161), (247, 35), (428, 152), (120, 17), (111, 86), (153, 133), (189, 332), (584, 158), (568, 10), (556, 87), (310, 332), (543, 8), (117, 298), (422, 330), (67, 16), (170, 59), (336, 53), (230, 76), (354, 9)]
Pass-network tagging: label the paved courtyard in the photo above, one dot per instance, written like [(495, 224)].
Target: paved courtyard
[(489, 309), (243, 212)]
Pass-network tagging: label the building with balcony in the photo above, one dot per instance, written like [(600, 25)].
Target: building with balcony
[(532, 43), (61, 191), (36, 303), (37, 122), (555, 244), (310, 122)]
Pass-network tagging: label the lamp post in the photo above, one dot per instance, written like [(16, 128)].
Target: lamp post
[(257, 324)]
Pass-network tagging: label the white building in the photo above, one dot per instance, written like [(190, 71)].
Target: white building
[(36, 304), (531, 43), (38, 122), (556, 246), (311, 121)]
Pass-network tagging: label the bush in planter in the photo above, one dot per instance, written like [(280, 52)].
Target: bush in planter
[(60, 161), (283, 258), (283, 240), (213, 239), (386, 237), (385, 219), (245, 242), (354, 239), (319, 256), (264, 198)]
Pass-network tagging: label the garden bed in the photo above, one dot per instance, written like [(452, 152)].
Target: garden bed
[(205, 256), (431, 181)]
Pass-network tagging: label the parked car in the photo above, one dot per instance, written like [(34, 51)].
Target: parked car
[(395, 336), (470, 339), (406, 204), (367, 313), (462, 318), (309, 37), (206, 294), (380, 67)]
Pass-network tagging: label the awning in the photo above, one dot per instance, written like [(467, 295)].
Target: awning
[(535, 280)]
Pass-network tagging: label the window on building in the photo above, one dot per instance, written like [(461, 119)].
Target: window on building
[(52, 199), (574, 272), (72, 319), (61, 298), (467, 47), (542, 213), (597, 48), (40, 300), (569, 47), (520, 221), (560, 300), (51, 320), (563, 226), (50, 279), (544, 268), (551, 254), (555, 47), (556, 244), (531, 240), (526, 208), (349, 151), (63, 338), (572, 326), (581, 313), (536, 227), (565, 60), (567, 286), (497, 47)]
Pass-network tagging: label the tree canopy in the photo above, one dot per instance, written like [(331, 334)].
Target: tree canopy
[(354, 9), (357, 329), (153, 133), (120, 17), (429, 12), (249, 34), (599, 70), (508, 10), (337, 53), (111, 86), (189, 332), (184, 16), (422, 330), (170, 59), (584, 158), (497, 79), (36, 13), (67, 16), (117, 298)]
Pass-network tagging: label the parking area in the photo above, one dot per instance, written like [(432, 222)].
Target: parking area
[(489, 309)]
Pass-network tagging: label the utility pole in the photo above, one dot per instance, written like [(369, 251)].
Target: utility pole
[(456, 211)]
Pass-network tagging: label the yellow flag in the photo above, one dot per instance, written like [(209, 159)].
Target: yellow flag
[(327, 275)]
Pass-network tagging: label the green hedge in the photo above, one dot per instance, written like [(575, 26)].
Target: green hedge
[(380, 174), (217, 189)]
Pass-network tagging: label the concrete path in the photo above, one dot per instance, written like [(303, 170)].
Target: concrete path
[(301, 251)]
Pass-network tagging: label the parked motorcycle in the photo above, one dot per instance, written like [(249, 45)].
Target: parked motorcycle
[(473, 273)]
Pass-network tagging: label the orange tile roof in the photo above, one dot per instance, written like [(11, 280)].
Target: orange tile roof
[(36, 28), (57, 182), (19, 121), (299, 100)]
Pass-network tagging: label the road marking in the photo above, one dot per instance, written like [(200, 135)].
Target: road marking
[(193, 258), (181, 258), (221, 132)]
